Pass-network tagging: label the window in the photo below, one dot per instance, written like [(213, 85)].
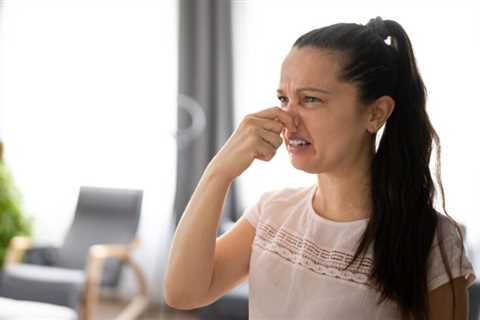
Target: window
[(88, 97)]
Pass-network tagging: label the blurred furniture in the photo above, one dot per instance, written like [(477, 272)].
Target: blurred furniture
[(474, 301), (22, 310), (232, 306), (100, 241)]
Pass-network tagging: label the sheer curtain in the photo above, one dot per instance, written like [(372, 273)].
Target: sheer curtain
[(88, 97), (447, 53), (205, 108)]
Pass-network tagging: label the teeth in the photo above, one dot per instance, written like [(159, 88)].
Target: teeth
[(297, 142)]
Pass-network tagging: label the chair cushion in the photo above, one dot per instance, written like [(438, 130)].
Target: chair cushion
[(28, 310), (43, 284), (42, 255)]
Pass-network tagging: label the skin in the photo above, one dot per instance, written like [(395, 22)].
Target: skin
[(339, 127), (441, 301)]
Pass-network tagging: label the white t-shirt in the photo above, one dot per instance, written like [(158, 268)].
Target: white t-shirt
[(297, 257)]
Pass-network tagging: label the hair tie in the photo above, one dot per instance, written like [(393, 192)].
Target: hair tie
[(378, 26)]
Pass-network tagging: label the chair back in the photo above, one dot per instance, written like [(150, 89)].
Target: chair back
[(102, 216)]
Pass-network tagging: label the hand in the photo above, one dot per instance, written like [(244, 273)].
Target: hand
[(257, 137)]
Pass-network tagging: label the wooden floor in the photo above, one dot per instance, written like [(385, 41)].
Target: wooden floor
[(108, 309)]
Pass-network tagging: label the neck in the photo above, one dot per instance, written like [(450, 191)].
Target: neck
[(344, 195)]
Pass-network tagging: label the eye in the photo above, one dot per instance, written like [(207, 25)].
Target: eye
[(282, 99), (310, 99)]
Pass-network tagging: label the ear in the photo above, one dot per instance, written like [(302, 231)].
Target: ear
[(378, 113)]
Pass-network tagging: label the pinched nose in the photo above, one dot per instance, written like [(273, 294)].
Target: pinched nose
[(294, 115), (296, 120)]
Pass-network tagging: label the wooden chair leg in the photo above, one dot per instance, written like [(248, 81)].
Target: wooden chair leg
[(94, 272), (140, 302), (97, 256)]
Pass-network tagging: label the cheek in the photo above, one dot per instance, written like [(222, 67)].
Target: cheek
[(324, 130), (334, 136)]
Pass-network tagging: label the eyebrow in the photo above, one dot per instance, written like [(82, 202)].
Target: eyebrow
[(309, 89)]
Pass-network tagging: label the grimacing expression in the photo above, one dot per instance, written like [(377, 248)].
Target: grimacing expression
[(329, 112)]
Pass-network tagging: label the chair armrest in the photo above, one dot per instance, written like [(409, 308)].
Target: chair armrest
[(96, 258), (16, 248), (103, 251), (120, 251)]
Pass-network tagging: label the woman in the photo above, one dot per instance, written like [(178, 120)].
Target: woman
[(364, 242)]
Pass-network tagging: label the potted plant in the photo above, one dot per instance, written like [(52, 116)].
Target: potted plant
[(13, 221)]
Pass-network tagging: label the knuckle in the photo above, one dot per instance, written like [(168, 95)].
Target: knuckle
[(271, 155), (278, 127), (260, 155), (248, 120)]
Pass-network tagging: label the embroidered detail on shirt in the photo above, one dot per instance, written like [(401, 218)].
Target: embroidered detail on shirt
[(307, 254)]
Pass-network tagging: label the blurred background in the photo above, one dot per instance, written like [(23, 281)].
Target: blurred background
[(139, 95)]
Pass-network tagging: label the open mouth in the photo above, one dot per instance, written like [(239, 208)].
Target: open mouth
[(297, 146), (298, 143)]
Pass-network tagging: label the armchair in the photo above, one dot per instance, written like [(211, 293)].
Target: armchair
[(100, 241)]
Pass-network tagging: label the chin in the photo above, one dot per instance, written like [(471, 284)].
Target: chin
[(300, 165)]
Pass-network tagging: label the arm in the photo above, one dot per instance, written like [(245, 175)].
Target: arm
[(231, 263), (197, 272), (232, 260), (191, 258), (441, 301)]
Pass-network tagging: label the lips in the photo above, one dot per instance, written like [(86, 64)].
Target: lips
[(297, 137)]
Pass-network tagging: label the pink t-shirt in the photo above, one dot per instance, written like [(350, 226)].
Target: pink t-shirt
[(297, 256)]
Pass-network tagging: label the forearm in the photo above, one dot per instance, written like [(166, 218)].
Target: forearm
[(191, 258)]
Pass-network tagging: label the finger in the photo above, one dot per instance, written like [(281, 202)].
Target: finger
[(271, 125), (273, 138), (264, 150), (282, 133), (276, 113)]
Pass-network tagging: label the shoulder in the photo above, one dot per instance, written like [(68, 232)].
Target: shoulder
[(447, 240), (448, 232), (274, 203), (446, 228)]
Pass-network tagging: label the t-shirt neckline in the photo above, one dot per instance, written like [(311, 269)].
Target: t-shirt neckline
[(324, 220)]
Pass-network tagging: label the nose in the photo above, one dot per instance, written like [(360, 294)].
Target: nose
[(292, 109)]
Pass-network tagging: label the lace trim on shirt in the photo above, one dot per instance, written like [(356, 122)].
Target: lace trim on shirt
[(297, 250)]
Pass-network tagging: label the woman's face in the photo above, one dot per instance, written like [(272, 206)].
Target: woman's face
[(328, 111)]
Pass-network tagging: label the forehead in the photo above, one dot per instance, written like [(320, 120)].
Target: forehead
[(310, 66)]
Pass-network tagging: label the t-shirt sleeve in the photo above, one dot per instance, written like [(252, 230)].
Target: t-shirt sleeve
[(253, 212), (459, 263)]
